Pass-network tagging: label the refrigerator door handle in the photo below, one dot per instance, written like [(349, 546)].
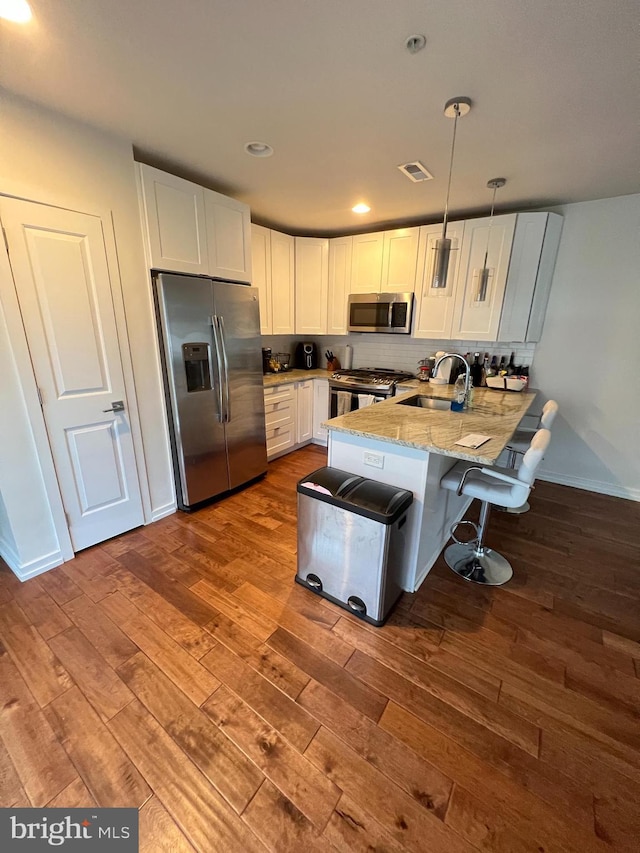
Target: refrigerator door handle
[(220, 377), (225, 361)]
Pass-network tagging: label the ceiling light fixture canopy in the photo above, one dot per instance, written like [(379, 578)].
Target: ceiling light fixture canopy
[(258, 149), (455, 108), (361, 207), (17, 11), (486, 272)]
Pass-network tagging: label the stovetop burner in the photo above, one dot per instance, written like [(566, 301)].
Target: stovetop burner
[(369, 378)]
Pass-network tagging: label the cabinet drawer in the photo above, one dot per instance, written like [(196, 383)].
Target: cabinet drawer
[(278, 394), (279, 414), (280, 438)]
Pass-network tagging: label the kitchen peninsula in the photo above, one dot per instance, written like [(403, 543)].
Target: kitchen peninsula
[(412, 447)]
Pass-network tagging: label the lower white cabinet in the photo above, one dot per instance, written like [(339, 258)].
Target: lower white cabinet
[(280, 419), (304, 405), (320, 410)]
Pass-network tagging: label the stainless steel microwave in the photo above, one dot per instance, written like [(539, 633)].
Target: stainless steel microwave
[(380, 312)]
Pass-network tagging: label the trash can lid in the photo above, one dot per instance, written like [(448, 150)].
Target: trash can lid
[(369, 498)]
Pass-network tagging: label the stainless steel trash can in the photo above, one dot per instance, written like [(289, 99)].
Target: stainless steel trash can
[(351, 541)]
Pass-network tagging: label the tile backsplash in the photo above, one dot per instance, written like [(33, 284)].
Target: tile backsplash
[(395, 351)]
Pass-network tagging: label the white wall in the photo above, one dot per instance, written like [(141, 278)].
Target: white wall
[(588, 358), (48, 158)]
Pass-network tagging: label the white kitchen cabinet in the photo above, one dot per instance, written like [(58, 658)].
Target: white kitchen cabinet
[(273, 273), (435, 306), (261, 266), (311, 285), (304, 409), (174, 221), (191, 229), (228, 237), (533, 257), (280, 419), (477, 315), (340, 251), (282, 283), (320, 410), (400, 260), (366, 262)]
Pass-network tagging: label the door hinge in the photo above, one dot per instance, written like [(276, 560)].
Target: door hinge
[(6, 242), (67, 519), (40, 400)]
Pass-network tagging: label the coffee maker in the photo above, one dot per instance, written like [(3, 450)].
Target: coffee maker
[(306, 355)]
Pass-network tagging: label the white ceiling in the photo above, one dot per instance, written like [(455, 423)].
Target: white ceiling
[(555, 86)]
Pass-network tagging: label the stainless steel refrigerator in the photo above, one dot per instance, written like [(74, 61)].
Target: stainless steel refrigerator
[(212, 362)]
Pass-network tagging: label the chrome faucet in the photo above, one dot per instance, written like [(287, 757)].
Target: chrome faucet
[(467, 372)]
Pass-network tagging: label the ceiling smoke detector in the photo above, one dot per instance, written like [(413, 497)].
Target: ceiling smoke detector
[(416, 171), (258, 149)]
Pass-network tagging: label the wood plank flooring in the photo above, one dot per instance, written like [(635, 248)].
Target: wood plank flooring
[(180, 670)]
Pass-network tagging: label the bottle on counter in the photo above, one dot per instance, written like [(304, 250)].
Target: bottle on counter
[(485, 369), (476, 371), (502, 367), (493, 367), (511, 367), (457, 404)]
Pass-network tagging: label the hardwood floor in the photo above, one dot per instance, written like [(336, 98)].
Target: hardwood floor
[(180, 670)]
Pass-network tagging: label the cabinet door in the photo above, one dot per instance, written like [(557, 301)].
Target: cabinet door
[(304, 403), (477, 315), (366, 262), (312, 284), (261, 266), (340, 250), (400, 260), (282, 283), (175, 222), (228, 237), (320, 410), (435, 305)]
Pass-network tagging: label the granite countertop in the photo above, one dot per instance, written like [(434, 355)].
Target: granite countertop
[(286, 377), (494, 413)]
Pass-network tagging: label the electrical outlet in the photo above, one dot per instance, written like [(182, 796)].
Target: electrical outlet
[(373, 459)]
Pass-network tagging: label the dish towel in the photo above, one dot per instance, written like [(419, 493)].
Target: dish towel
[(365, 400), (344, 402)]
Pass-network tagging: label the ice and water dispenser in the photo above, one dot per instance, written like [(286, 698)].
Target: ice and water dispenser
[(196, 366), (351, 541)]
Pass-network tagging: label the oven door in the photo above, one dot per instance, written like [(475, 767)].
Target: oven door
[(380, 312), (344, 400)]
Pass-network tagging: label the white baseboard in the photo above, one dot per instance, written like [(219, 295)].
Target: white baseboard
[(163, 511), (590, 485), (25, 571)]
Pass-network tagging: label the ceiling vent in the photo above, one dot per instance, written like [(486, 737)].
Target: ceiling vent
[(416, 171)]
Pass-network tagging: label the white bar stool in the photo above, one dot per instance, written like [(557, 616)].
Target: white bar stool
[(508, 487), (519, 444)]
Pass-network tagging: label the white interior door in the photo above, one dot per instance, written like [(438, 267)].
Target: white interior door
[(59, 263)]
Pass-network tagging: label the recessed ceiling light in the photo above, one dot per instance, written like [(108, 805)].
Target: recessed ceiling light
[(17, 11), (258, 149), (361, 208)]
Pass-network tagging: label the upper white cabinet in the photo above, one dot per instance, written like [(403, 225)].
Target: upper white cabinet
[(312, 284), (340, 251), (366, 263), (192, 229), (385, 261), (400, 260), (261, 266), (174, 217), (435, 306), (282, 283), (478, 308), (228, 237), (533, 257)]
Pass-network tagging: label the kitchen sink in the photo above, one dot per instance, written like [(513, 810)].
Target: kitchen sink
[(422, 402)]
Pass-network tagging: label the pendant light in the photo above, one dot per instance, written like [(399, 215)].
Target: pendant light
[(455, 108), (483, 275)]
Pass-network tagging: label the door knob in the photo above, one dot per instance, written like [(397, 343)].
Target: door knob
[(116, 406)]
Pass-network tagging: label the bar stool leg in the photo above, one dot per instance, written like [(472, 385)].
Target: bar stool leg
[(472, 561)]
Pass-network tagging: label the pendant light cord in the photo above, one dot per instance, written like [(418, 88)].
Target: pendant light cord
[(453, 146)]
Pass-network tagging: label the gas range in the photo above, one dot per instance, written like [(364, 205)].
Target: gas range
[(377, 380)]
